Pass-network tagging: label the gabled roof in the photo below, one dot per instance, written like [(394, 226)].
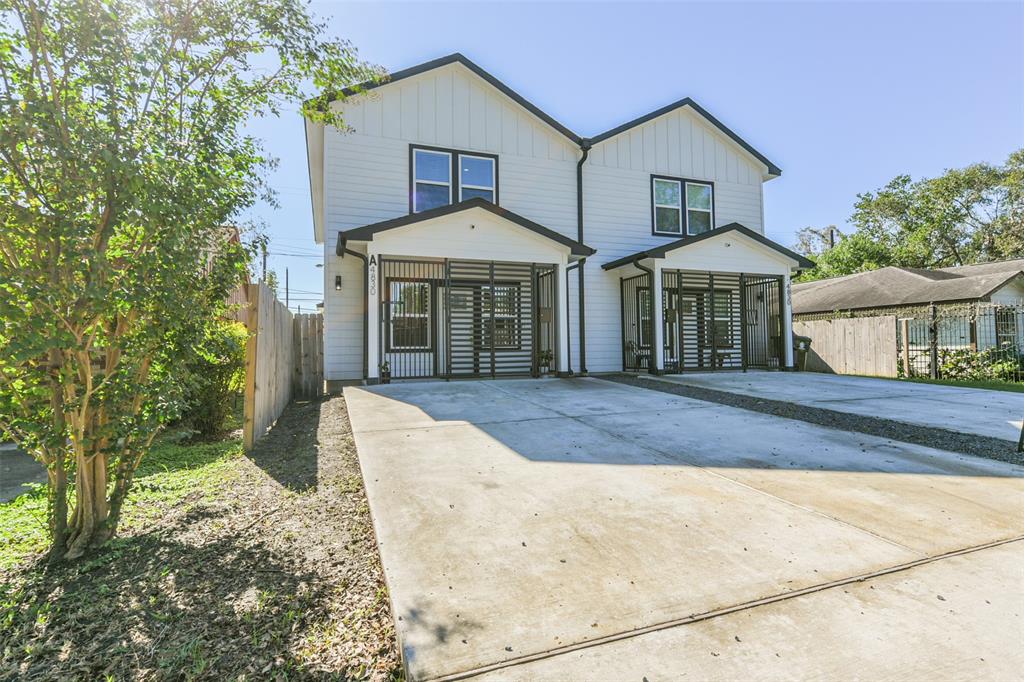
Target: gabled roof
[(366, 233), (660, 251), (687, 102), (895, 286), (457, 58)]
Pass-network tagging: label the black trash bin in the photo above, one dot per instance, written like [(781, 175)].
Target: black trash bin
[(801, 347)]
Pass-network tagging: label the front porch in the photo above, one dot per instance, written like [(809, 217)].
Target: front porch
[(715, 301), (468, 290)]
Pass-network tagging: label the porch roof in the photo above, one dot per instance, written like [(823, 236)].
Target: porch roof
[(660, 251), (366, 232)]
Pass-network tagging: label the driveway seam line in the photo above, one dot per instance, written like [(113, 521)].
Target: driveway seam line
[(718, 613)]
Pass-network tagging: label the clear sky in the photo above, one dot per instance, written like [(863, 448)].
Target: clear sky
[(842, 96)]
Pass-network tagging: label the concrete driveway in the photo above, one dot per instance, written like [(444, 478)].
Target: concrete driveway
[(967, 410), (579, 529)]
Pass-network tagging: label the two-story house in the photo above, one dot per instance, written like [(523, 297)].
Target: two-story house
[(467, 233)]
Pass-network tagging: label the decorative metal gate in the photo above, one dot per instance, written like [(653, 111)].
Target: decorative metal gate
[(637, 325), (702, 316), (710, 321), (461, 318), (762, 304)]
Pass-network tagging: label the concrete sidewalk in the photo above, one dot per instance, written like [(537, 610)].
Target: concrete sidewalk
[(968, 410), (523, 519)]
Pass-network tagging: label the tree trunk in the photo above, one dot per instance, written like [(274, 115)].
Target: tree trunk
[(91, 509), (58, 478)]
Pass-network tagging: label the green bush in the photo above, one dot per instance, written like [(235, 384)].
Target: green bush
[(964, 364), (215, 376)]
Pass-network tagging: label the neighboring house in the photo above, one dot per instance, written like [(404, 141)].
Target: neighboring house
[(454, 213), (977, 306)]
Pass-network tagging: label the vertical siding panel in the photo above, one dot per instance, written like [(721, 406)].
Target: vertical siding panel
[(372, 115), (509, 130), (428, 111), (410, 111), (540, 143), (444, 98), (661, 145), (672, 144), (354, 113), (708, 144), (636, 149), (689, 154), (650, 153), (391, 103), (460, 110), (721, 161), (524, 145), (734, 167), (492, 124), (477, 118), (596, 156), (696, 150), (624, 156)]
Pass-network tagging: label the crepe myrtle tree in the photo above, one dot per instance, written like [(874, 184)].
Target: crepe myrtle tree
[(122, 154)]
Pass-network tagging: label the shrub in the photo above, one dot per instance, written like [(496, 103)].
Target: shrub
[(964, 364), (215, 375)]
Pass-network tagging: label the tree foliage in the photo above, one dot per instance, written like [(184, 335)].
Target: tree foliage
[(122, 152), (966, 215)]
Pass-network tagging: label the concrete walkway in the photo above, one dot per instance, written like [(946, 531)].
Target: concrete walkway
[(967, 410), (578, 529), (16, 469)]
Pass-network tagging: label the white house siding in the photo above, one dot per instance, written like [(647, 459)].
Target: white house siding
[(367, 172), (617, 209)]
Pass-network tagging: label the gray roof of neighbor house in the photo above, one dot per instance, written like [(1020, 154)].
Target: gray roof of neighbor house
[(893, 286)]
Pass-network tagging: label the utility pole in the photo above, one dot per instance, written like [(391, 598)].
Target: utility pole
[(286, 287), (263, 246), (832, 237)]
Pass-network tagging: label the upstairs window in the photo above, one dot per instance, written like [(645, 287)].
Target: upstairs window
[(476, 177), (681, 207), (432, 179), (443, 176)]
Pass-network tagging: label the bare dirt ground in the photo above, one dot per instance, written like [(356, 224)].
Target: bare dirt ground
[(271, 573)]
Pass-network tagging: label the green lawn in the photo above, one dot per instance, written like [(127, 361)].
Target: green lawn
[(168, 473), (990, 385)]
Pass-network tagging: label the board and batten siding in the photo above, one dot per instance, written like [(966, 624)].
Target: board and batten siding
[(367, 175), (617, 209)]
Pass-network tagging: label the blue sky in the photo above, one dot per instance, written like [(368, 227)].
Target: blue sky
[(842, 96)]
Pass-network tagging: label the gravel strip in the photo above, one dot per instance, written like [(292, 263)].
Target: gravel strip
[(929, 436)]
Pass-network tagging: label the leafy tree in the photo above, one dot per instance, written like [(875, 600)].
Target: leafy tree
[(813, 241), (966, 215), (123, 150)]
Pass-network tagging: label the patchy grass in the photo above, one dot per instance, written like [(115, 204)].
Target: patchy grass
[(226, 567)]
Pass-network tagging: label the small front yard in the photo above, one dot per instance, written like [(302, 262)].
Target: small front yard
[(226, 567)]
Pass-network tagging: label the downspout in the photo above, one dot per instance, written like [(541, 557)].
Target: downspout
[(652, 369), (341, 250), (585, 147), (568, 346)]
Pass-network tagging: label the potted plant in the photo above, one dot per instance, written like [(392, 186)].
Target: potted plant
[(544, 359), (385, 372)]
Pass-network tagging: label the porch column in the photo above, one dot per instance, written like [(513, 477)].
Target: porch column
[(373, 316), (787, 323), (562, 316), (657, 319)]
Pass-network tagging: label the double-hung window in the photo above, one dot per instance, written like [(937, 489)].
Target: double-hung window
[(681, 207), (409, 315), (432, 179), (444, 176)]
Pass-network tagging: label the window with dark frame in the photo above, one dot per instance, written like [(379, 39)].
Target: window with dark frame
[(681, 207), (409, 313), (1006, 327), (440, 177)]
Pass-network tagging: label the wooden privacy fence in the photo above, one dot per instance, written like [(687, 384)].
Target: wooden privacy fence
[(283, 360), (861, 345)]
